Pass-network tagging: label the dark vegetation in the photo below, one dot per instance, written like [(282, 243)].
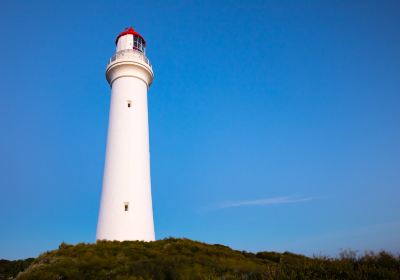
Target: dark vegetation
[(9, 269), (187, 259)]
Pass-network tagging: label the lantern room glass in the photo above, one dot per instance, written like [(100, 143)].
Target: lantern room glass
[(138, 44)]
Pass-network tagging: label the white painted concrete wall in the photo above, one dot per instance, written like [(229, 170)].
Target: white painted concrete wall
[(127, 165), (125, 42)]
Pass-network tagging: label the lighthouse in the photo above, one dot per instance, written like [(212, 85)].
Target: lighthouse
[(126, 211)]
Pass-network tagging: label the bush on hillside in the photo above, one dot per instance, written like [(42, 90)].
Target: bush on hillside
[(186, 259)]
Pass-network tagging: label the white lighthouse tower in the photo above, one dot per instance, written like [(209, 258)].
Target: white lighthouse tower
[(126, 209)]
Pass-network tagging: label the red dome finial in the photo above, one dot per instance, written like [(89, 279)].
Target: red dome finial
[(131, 31)]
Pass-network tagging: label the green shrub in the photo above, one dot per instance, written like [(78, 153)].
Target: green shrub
[(186, 259)]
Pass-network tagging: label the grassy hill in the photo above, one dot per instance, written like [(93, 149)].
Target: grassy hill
[(187, 259)]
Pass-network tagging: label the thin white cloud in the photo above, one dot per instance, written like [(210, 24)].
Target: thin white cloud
[(266, 201)]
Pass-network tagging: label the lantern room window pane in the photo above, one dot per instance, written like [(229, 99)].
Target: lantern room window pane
[(138, 44)]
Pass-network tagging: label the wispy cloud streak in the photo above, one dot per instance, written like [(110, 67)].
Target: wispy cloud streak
[(266, 201)]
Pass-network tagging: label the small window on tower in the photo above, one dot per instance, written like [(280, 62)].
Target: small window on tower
[(126, 206), (129, 104)]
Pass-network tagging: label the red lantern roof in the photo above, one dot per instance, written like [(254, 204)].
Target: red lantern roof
[(131, 31)]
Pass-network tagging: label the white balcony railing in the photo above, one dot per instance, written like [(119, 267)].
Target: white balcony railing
[(129, 54)]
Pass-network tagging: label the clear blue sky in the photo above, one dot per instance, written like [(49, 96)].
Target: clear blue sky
[(274, 125)]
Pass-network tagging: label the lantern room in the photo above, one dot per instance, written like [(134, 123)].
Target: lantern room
[(129, 39)]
